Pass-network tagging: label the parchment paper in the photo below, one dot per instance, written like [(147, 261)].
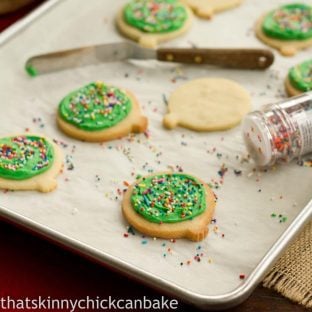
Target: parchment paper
[(84, 206)]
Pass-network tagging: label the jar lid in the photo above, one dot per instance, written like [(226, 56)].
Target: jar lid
[(257, 140)]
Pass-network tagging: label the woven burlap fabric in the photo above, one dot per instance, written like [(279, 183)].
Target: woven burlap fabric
[(292, 274)]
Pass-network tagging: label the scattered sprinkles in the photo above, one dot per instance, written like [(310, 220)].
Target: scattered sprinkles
[(69, 162), (130, 230), (222, 171), (281, 218), (237, 172), (39, 122)]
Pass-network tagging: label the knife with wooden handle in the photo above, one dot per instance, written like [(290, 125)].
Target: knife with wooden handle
[(113, 52)]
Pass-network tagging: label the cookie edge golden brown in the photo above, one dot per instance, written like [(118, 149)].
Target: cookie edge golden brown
[(148, 40), (195, 230), (285, 47), (135, 122), (45, 182)]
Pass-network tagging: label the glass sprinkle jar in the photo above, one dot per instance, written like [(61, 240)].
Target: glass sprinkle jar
[(280, 132)]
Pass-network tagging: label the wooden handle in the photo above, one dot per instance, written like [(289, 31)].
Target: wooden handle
[(232, 58)]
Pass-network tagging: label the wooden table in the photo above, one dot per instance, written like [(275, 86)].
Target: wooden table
[(31, 267)]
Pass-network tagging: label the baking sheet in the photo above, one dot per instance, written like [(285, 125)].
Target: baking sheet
[(86, 205)]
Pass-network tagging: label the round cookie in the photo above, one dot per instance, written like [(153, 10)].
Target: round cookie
[(29, 162), (98, 112), (207, 104), (150, 22), (287, 29), (170, 205), (207, 8), (299, 79)]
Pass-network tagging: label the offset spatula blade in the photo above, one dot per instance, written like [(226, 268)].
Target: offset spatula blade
[(113, 52), (93, 55)]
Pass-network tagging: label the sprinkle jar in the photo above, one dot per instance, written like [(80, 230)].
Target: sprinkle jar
[(280, 132)]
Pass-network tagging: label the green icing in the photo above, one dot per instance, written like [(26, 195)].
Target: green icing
[(289, 22), (169, 198), (95, 107), (300, 76), (31, 71), (155, 16), (22, 157)]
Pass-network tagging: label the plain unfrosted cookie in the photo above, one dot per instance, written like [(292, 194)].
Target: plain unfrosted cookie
[(299, 78), (170, 205), (287, 29), (207, 104), (150, 22), (29, 162), (98, 112), (207, 8)]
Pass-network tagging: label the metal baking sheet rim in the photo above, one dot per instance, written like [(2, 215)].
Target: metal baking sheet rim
[(226, 300)]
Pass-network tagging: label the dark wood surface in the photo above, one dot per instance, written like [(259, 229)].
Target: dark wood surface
[(31, 267)]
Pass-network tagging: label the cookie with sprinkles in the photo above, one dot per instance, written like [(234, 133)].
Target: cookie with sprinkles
[(99, 112), (150, 22), (29, 162), (287, 28), (170, 205), (299, 78), (207, 8)]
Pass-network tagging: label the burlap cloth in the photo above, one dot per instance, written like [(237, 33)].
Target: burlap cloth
[(292, 274)]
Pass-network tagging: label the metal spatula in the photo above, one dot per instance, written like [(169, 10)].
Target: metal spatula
[(231, 58)]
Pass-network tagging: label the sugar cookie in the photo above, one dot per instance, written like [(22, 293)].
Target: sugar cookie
[(207, 104), (98, 112), (287, 29), (29, 162), (299, 78), (207, 8), (150, 22), (170, 205)]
